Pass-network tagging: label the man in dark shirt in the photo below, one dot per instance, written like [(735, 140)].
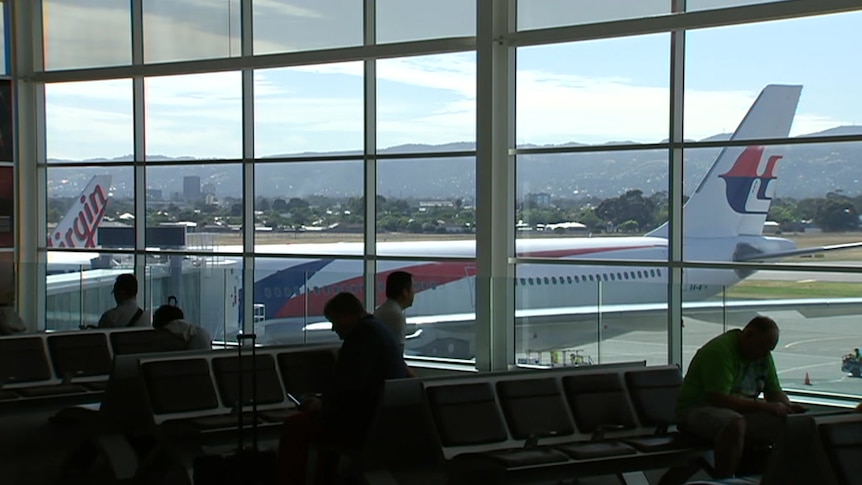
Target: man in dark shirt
[(369, 355)]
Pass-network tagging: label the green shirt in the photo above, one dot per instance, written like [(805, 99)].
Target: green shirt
[(718, 367)]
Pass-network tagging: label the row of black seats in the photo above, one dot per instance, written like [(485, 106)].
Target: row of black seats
[(200, 392), (70, 364), (524, 427)]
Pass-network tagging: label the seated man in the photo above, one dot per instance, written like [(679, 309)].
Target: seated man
[(369, 355), (127, 313), (719, 397), (174, 333)]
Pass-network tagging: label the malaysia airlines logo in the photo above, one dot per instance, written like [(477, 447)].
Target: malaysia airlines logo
[(746, 186)]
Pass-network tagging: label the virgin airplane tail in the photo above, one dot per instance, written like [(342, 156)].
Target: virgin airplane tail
[(79, 225), (734, 196)]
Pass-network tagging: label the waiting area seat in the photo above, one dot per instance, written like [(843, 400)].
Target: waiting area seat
[(560, 424)]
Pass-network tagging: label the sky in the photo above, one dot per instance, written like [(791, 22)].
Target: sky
[(587, 92)]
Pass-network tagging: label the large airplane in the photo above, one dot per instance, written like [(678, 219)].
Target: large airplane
[(723, 221)]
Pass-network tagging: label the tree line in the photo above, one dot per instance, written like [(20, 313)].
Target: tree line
[(631, 212)]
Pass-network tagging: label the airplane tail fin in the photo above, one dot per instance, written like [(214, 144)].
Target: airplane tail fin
[(79, 225), (734, 196)]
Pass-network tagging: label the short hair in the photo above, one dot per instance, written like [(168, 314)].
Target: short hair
[(343, 303), (762, 324), (166, 314), (126, 282), (397, 282)]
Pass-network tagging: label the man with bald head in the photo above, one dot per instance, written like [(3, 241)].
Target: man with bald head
[(720, 397)]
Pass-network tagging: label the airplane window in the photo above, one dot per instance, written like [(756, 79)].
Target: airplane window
[(652, 273), (530, 281), (277, 291), (605, 276), (569, 279), (267, 293), (547, 282), (523, 281), (577, 280), (625, 275), (612, 277), (553, 280), (619, 276), (538, 281), (640, 275)]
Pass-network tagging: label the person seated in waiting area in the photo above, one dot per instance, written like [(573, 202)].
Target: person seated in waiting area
[(369, 355), (719, 401), (174, 333), (10, 322), (127, 313)]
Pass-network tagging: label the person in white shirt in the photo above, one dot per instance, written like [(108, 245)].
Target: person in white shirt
[(399, 297), (127, 313), (175, 333), (10, 322)]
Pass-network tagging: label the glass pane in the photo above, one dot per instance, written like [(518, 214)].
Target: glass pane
[(89, 121), (622, 193), (178, 30), (438, 323), (86, 33), (83, 200), (597, 92), (436, 217), (717, 95), (538, 14), (207, 289), (299, 25), (4, 67), (405, 20), (205, 108), (309, 207), (429, 101), (692, 5), (308, 109), (764, 200), (78, 291), (581, 315), (289, 296), (7, 123), (196, 207), (817, 313)]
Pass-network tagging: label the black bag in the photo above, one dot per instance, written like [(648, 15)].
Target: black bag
[(247, 465)]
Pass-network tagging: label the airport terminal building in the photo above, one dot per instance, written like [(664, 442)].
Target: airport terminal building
[(596, 187)]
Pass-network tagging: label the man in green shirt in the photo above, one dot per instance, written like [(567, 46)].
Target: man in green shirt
[(719, 397)]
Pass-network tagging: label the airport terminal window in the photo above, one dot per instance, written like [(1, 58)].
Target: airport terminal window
[(86, 33), (429, 101), (4, 48), (717, 98), (538, 14), (692, 5), (309, 110), (591, 103), (309, 207), (178, 30), (408, 20), (84, 202), (617, 92), (89, 121), (195, 207), (427, 199), (300, 25), (205, 108)]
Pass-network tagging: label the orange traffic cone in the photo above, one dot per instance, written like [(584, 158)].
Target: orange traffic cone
[(807, 380)]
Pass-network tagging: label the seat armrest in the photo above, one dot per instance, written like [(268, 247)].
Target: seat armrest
[(599, 433)]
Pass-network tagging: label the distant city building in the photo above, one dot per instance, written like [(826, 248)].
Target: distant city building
[(541, 200), (192, 188), (154, 194), (209, 189)]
